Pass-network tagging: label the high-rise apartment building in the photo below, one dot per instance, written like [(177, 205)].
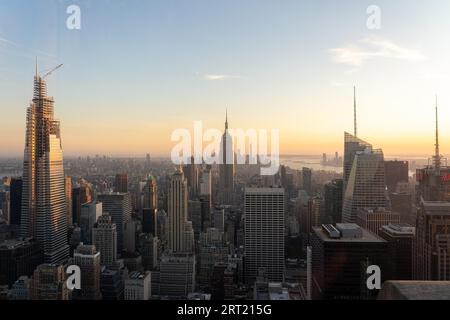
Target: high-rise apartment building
[(264, 232), (44, 208)]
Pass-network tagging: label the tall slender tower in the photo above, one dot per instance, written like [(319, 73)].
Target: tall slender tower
[(177, 207), (437, 155), (44, 208), (354, 112), (226, 167)]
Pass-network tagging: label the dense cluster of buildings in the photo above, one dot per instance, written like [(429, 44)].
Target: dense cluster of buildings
[(141, 230)]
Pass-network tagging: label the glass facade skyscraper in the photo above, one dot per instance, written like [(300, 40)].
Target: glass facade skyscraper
[(44, 210), (366, 186)]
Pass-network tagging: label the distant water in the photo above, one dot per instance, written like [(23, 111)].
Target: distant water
[(312, 162)]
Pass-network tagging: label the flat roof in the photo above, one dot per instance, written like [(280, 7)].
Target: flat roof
[(415, 290), (367, 236), (274, 190)]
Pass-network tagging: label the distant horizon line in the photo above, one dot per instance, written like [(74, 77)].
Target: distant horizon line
[(158, 156)]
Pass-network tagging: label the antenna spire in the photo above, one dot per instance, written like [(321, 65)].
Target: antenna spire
[(226, 119), (36, 66), (437, 156), (354, 112)]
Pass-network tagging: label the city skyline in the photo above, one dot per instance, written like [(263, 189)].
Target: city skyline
[(154, 76)]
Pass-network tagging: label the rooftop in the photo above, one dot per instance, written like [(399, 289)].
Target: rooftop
[(415, 290), (365, 237)]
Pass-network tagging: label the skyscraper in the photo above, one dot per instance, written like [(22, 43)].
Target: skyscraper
[(396, 172), (18, 257), (340, 256), (191, 174), (44, 210), (150, 192), (400, 239), (432, 243), (88, 259), (177, 207), (90, 212), (80, 196), (49, 283), (104, 237), (121, 183), (118, 205), (307, 183), (373, 219), (264, 232), (68, 191), (137, 286), (434, 180), (15, 197), (177, 274), (333, 201), (206, 186), (366, 186), (226, 166), (352, 145)]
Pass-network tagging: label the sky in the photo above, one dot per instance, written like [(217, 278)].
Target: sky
[(137, 70)]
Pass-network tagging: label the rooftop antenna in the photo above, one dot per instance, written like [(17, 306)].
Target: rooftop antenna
[(354, 112), (437, 156), (36, 65), (226, 118)]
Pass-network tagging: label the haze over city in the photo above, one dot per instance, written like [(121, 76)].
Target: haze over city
[(133, 74)]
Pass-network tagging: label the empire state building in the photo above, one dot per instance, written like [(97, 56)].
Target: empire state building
[(226, 167), (43, 198)]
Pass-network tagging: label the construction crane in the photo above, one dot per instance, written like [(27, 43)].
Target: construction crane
[(51, 71)]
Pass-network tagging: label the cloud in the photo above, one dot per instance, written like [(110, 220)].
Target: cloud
[(7, 41), (213, 77), (373, 48), (216, 77)]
